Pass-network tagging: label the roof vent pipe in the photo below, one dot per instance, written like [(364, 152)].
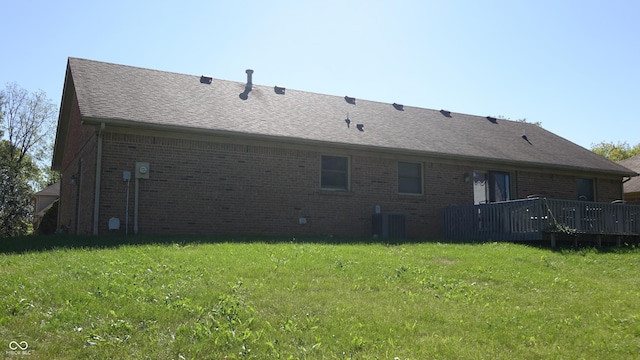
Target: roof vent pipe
[(249, 83), (248, 87)]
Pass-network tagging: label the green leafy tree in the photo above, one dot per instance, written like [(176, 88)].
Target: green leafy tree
[(615, 152), (523, 120), (26, 137), (16, 207), (1, 115)]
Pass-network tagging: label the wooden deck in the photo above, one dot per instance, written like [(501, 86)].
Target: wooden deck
[(541, 219)]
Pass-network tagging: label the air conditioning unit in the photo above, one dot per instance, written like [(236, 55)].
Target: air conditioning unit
[(390, 225)]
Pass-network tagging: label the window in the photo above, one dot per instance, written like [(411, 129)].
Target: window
[(491, 186), (334, 173), (409, 178), (480, 188), (499, 189), (585, 190)]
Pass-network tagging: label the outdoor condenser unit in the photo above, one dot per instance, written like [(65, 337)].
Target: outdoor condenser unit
[(390, 225)]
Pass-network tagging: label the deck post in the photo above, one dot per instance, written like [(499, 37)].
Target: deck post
[(598, 241), (618, 240), (553, 240)]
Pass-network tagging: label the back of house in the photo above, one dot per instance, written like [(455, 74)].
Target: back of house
[(143, 151)]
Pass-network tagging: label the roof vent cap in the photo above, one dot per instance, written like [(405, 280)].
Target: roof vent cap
[(205, 79), (446, 113), (398, 107), (492, 119), (350, 100), (247, 88), (249, 76), (279, 90)]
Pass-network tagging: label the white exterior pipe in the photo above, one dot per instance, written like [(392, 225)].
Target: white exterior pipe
[(126, 212), (135, 206)]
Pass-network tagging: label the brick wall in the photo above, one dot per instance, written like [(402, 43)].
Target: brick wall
[(559, 186), (608, 190), (77, 187), (632, 198), (206, 187)]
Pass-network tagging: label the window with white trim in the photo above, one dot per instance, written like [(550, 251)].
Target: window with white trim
[(409, 178), (334, 173)]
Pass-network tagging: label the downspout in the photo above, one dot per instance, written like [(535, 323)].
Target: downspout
[(135, 204), (78, 184), (96, 200), (126, 207), (142, 172), (622, 185)]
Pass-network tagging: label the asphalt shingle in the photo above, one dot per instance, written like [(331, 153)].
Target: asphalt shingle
[(135, 96), (632, 163)]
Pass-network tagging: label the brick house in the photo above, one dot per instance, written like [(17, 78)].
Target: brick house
[(43, 200), (153, 152), (632, 187)]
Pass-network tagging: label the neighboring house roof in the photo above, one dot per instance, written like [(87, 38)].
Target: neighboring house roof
[(137, 97), (632, 163), (51, 190), (45, 198)]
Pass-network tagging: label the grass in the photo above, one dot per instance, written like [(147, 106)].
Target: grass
[(190, 298)]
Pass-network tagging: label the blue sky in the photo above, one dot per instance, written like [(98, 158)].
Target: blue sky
[(572, 65)]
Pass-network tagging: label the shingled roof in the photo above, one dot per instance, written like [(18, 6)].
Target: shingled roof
[(633, 163), (137, 97)]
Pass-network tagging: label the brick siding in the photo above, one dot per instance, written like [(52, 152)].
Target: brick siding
[(208, 187), (558, 186), (75, 207)]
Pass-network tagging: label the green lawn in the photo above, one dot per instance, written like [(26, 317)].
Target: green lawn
[(291, 299)]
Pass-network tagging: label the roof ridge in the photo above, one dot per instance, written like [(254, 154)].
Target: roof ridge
[(164, 99), (270, 86), (145, 69)]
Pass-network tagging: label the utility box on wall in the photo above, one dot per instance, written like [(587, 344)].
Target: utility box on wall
[(142, 170)]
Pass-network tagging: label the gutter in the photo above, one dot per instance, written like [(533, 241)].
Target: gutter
[(129, 124), (96, 200)]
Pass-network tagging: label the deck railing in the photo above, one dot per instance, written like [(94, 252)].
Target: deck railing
[(530, 219)]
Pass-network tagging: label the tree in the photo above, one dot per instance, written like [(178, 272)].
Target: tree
[(523, 120), (26, 137), (615, 152), (16, 208), (1, 115)]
